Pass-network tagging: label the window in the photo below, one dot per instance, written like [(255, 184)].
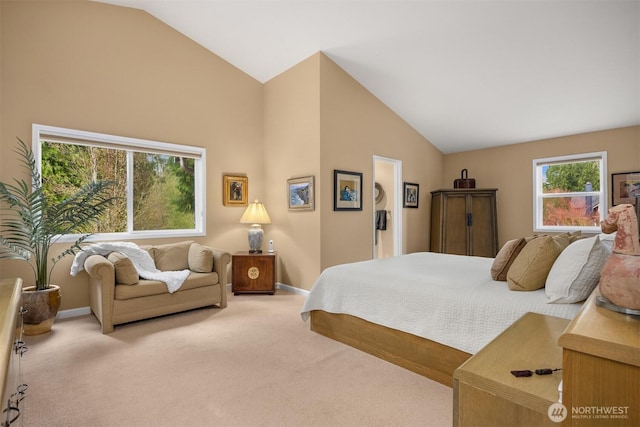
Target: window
[(162, 185), (570, 192)]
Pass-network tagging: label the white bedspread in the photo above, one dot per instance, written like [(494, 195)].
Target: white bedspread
[(450, 299)]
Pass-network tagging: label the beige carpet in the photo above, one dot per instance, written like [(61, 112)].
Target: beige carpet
[(254, 363)]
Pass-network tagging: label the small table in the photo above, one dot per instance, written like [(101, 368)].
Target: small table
[(485, 391), (253, 273)]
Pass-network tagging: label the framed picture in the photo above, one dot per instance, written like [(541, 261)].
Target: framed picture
[(235, 190), (347, 191), (625, 187), (300, 194), (410, 195)]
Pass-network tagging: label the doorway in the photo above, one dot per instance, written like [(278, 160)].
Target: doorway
[(387, 207)]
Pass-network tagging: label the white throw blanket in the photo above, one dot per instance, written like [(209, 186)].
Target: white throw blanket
[(140, 258)]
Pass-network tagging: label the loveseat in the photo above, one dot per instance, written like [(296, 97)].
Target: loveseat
[(118, 295)]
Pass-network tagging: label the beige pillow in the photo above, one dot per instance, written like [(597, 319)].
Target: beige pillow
[(505, 258), (531, 267), (172, 256), (576, 272), (200, 258), (564, 240), (126, 273)]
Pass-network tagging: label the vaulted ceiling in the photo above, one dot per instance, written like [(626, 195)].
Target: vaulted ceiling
[(465, 74)]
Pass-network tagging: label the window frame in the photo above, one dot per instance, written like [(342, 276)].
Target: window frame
[(538, 195), (131, 145)]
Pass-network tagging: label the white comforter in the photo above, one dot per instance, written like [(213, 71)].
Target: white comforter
[(450, 299)]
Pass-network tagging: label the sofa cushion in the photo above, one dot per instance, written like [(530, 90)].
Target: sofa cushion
[(126, 273), (200, 258), (146, 288), (530, 269), (171, 256)]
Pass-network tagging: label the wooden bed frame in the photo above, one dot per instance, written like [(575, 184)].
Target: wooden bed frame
[(420, 355)]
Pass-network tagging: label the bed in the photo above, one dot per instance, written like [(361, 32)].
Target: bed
[(427, 312)]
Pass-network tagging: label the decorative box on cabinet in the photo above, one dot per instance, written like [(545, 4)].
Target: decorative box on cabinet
[(464, 222), (253, 273)]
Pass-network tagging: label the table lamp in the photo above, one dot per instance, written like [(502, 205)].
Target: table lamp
[(255, 215)]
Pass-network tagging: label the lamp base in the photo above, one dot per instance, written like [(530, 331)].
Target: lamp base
[(256, 236)]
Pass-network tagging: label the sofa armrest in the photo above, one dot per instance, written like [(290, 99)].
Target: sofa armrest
[(221, 261), (101, 289)]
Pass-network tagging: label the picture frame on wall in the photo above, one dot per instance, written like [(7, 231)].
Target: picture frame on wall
[(347, 191), (625, 187), (300, 194), (235, 191), (410, 195)]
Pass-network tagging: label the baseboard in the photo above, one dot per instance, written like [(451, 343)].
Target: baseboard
[(73, 312), (82, 311), (292, 289), (284, 287)]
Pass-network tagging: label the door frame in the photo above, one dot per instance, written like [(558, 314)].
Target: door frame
[(396, 218)]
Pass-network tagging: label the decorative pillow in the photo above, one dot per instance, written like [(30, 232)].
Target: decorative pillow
[(576, 272), (505, 258), (172, 256), (200, 258), (530, 269), (126, 273), (563, 240), (608, 239)]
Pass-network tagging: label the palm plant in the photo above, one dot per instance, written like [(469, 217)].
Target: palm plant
[(30, 224)]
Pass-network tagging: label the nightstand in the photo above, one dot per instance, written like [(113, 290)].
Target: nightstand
[(253, 273), (485, 392)]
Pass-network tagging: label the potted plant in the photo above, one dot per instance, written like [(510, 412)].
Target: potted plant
[(30, 224)]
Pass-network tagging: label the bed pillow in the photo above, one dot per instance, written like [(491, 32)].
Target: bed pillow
[(608, 239), (576, 272), (505, 258), (126, 273), (531, 267)]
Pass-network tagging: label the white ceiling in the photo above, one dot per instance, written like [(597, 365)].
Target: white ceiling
[(465, 74)]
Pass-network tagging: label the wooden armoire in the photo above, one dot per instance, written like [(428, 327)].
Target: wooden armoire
[(464, 222)]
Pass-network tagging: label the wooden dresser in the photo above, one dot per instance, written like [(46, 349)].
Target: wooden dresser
[(11, 348), (464, 222), (601, 361)]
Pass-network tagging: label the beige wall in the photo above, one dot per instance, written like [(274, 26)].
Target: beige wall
[(509, 169), (292, 141), (354, 127), (103, 68), (317, 119)]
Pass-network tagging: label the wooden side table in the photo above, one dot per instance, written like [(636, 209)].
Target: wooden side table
[(601, 376), (253, 273), (487, 394)]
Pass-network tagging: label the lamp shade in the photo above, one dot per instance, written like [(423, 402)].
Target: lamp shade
[(256, 213)]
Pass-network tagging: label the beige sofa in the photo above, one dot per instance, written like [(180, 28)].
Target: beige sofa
[(118, 295)]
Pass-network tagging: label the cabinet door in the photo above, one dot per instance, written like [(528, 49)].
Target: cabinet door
[(482, 230), (455, 224)]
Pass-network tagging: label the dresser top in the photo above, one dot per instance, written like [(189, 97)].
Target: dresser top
[(604, 333)]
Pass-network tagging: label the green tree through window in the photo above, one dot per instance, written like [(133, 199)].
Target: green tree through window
[(156, 184)]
